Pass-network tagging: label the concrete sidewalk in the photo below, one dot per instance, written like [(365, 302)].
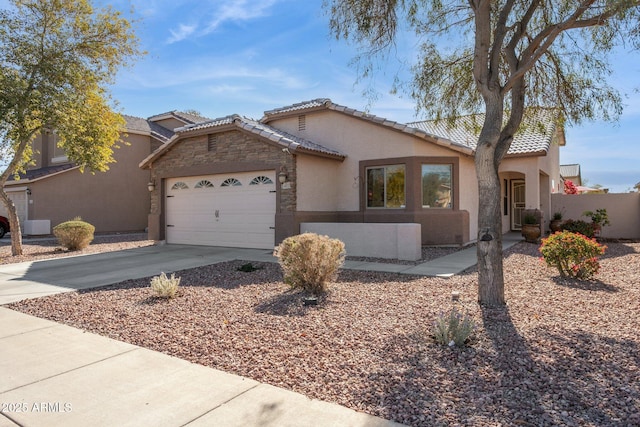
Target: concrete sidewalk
[(56, 375), (445, 266)]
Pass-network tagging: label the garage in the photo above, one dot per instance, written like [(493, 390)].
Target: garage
[(230, 210)]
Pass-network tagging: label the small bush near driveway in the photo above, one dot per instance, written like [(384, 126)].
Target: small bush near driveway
[(309, 261), (165, 287), (74, 235)]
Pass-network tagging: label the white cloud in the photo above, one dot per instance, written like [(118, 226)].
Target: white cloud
[(226, 89), (214, 72), (238, 10), (219, 13), (181, 33)]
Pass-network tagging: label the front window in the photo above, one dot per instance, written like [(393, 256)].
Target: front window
[(385, 187), (437, 191)]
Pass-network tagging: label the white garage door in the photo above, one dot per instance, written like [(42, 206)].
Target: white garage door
[(19, 199), (233, 210)]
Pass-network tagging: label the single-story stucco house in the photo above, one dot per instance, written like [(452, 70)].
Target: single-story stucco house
[(240, 182)]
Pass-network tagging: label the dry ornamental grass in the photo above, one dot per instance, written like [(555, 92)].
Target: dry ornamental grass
[(563, 352)]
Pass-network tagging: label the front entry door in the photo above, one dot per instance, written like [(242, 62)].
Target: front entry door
[(517, 203)]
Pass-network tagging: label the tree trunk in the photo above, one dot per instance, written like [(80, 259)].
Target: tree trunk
[(14, 224), (489, 248)]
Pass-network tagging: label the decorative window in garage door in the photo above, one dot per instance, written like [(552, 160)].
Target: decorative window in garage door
[(230, 182), (258, 180), (180, 186), (204, 184)]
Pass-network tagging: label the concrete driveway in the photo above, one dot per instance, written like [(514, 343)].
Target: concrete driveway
[(47, 277)]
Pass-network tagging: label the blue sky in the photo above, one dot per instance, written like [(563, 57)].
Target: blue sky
[(246, 56)]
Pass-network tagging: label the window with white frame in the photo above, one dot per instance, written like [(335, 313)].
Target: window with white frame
[(59, 154), (386, 186), (437, 189)]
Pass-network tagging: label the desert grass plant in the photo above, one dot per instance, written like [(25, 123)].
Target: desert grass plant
[(74, 235), (309, 261), (165, 287), (573, 254), (453, 328)]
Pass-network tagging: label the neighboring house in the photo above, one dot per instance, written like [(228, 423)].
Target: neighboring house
[(54, 190), (235, 181), (571, 173)]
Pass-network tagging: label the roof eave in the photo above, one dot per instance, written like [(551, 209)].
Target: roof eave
[(539, 153), (284, 114), (23, 181), (332, 156)]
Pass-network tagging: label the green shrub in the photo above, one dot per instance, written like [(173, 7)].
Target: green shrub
[(165, 287), (578, 226), (309, 261), (530, 219), (573, 254), (453, 328), (599, 217), (75, 234), (248, 268)]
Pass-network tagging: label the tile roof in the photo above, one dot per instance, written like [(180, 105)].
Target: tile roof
[(33, 174), (306, 105), (570, 170), (190, 117), (286, 140), (326, 103), (183, 116), (137, 124), (221, 121), (535, 134)]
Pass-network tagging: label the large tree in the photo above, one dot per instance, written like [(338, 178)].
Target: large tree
[(57, 59), (497, 57)]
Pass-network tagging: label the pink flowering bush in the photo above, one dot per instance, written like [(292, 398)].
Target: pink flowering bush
[(573, 254), (570, 187)]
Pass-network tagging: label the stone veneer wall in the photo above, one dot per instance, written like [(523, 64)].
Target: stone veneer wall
[(233, 151)]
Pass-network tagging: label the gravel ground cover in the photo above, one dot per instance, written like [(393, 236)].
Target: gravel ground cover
[(47, 248), (564, 352)]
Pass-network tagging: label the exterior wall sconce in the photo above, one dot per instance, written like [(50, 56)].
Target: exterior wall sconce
[(151, 186), (282, 176), (28, 191)]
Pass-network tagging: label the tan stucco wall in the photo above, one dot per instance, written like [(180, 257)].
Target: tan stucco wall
[(623, 211), (469, 193), (116, 200), (37, 152), (330, 186), (359, 140)]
